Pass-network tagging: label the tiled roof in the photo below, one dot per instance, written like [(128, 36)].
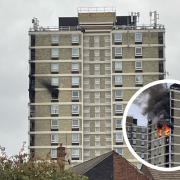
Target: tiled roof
[(160, 175)]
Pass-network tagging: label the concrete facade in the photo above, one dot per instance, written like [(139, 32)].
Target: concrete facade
[(103, 89)]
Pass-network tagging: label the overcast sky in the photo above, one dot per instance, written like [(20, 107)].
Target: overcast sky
[(15, 21)]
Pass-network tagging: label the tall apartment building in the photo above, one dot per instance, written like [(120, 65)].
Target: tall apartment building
[(82, 75), (138, 137)]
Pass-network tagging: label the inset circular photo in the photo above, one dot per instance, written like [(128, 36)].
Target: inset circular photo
[(151, 125)]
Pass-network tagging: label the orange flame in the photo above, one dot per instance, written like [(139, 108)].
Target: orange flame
[(165, 129)]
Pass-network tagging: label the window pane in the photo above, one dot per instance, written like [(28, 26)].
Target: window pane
[(75, 38), (54, 138), (75, 109), (75, 123), (54, 124), (55, 52), (54, 109), (75, 153), (75, 94), (118, 80), (55, 39), (75, 67), (138, 51), (119, 137), (118, 66), (75, 52), (117, 37), (119, 107), (118, 51), (139, 79), (75, 81), (118, 123), (53, 153), (138, 37), (138, 65), (55, 81), (119, 151), (75, 138), (54, 67), (118, 94)]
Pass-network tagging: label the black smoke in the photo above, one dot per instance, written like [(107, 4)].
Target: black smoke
[(158, 104)]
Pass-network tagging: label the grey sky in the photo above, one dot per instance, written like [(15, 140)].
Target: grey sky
[(16, 19)]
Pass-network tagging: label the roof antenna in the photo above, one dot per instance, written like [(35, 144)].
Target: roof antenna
[(35, 22)]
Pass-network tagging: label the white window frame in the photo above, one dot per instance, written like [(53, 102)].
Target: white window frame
[(75, 125), (138, 53), (118, 37), (118, 51), (120, 153), (74, 66), (119, 137), (55, 39), (54, 81), (137, 63), (55, 53), (118, 65), (54, 109), (75, 153), (53, 124), (73, 109), (120, 95), (118, 79), (54, 67), (75, 52), (54, 138), (53, 153), (75, 80), (73, 96), (138, 37), (119, 125), (139, 79), (75, 38), (75, 138), (117, 110)]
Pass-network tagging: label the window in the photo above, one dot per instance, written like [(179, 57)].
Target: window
[(75, 81), (54, 109), (75, 123), (75, 52), (118, 124), (118, 94), (138, 51), (118, 80), (53, 153), (119, 108), (134, 135), (139, 79), (134, 142), (54, 81), (54, 52), (54, 67), (75, 95), (134, 129), (118, 51), (142, 155), (142, 143), (75, 67), (75, 38), (117, 37), (119, 137), (138, 65), (119, 151), (54, 124), (75, 153), (138, 37), (143, 136), (54, 138), (75, 109), (118, 66), (75, 138), (55, 39)]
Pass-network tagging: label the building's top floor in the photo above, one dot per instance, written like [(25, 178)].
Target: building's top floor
[(99, 18)]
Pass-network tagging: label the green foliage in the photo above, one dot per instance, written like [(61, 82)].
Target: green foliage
[(22, 167)]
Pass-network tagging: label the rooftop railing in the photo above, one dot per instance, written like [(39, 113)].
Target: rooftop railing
[(80, 28), (96, 9)]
